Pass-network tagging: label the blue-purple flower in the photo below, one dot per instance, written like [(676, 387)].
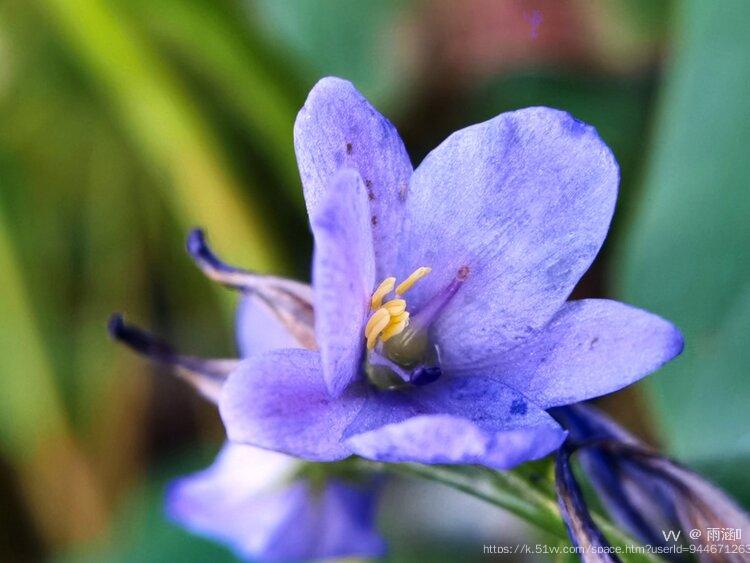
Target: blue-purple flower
[(264, 505), (257, 502), (442, 329)]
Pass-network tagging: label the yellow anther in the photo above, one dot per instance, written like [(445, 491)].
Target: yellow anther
[(396, 326), (390, 318), (377, 323), (376, 318), (417, 275), (385, 287), (395, 306), (404, 316)]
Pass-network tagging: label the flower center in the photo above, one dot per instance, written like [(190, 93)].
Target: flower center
[(406, 355), (390, 318)]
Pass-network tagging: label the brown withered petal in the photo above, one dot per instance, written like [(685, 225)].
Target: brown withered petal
[(291, 301), (584, 533), (207, 376)]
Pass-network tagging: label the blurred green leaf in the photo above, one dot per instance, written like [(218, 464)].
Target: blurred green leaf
[(30, 407), (166, 125), (35, 434), (358, 41), (141, 530), (687, 254), (725, 366)]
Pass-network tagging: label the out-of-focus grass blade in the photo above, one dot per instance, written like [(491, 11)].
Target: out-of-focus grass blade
[(687, 254), (215, 41), (31, 409), (34, 431), (166, 126), (112, 392)]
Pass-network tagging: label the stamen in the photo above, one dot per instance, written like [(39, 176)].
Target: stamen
[(385, 287), (378, 321), (400, 317), (394, 318), (417, 275), (395, 306), (207, 376), (396, 326)]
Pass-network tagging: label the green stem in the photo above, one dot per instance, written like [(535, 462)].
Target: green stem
[(503, 490), (510, 491)]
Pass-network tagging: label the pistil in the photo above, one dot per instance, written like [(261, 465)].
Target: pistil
[(427, 314)]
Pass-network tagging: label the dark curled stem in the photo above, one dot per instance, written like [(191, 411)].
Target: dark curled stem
[(582, 529)]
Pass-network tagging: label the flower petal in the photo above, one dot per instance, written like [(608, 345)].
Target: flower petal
[(698, 503), (279, 401), (337, 128), (259, 329), (460, 421), (524, 202), (646, 492), (613, 477), (238, 472), (250, 526), (242, 500), (234, 501), (347, 521), (289, 300), (343, 277), (590, 348), (205, 375)]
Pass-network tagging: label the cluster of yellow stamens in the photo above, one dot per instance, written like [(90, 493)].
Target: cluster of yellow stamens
[(390, 318)]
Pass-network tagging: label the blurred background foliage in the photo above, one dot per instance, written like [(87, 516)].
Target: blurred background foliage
[(125, 122)]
